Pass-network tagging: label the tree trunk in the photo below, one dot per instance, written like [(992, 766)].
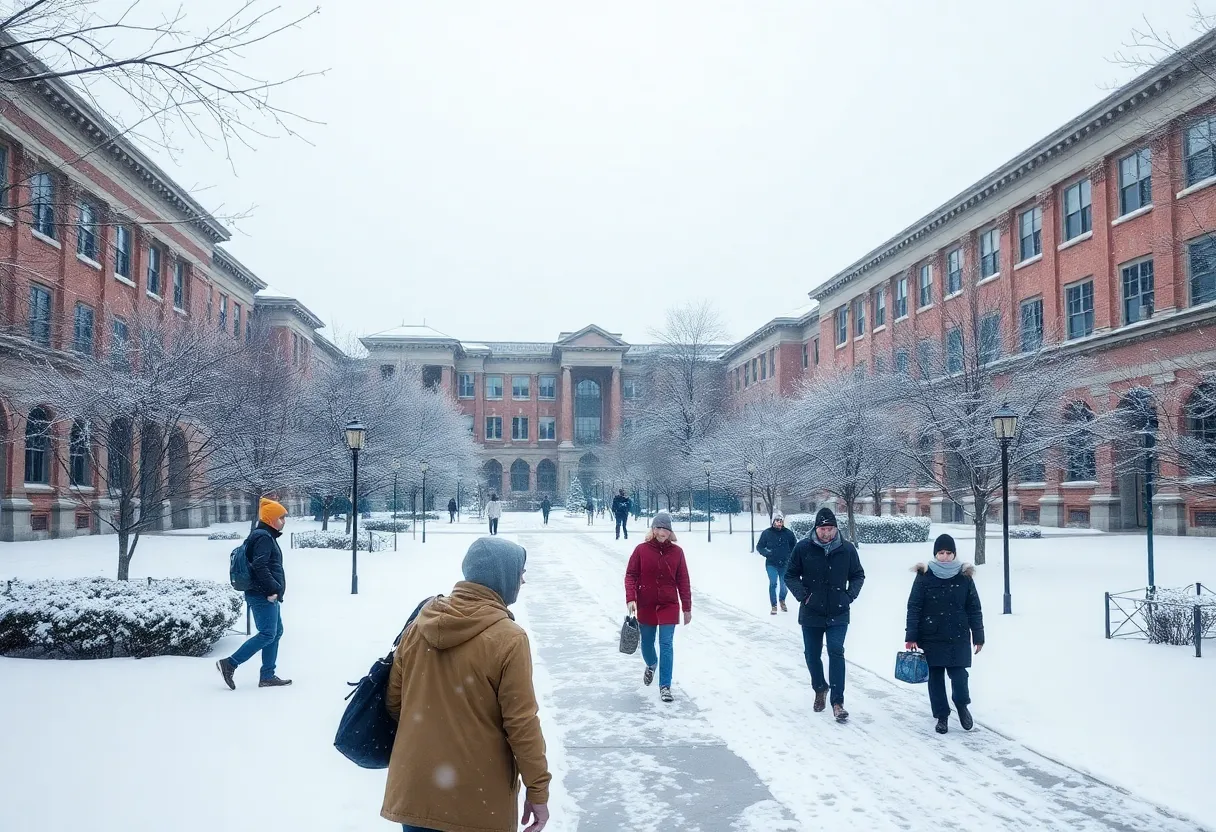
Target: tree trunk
[(255, 500), (124, 555), (981, 528), (850, 509), (325, 506)]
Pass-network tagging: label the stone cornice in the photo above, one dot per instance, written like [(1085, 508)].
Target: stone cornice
[(292, 306), (234, 268)]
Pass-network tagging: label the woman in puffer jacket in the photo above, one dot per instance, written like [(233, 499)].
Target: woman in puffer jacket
[(945, 620)]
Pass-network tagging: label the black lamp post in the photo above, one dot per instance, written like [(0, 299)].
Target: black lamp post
[(355, 433), (1005, 423), (396, 471), (424, 466), (709, 517), (751, 500)]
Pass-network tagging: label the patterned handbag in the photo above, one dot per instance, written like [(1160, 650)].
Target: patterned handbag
[(912, 667), (631, 636)]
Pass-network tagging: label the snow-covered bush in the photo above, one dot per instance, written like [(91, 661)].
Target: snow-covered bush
[(698, 516), (1171, 619), (97, 618), (225, 536), (889, 528), (384, 526), (338, 540), (1025, 532)]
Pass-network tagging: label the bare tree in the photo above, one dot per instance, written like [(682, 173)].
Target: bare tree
[(764, 433)]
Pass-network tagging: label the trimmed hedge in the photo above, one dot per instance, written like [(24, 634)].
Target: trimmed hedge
[(97, 618), (1024, 532), (338, 540), (384, 526), (698, 516), (225, 536), (888, 528)]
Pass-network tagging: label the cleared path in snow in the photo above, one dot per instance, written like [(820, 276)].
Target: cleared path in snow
[(748, 735)]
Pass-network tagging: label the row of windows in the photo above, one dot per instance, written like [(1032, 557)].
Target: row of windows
[(546, 475), (760, 368), (38, 456), (546, 429), (521, 387)]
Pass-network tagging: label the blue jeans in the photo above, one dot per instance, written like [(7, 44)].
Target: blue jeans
[(775, 576), (267, 619), (937, 689), (621, 520), (667, 634), (812, 640)]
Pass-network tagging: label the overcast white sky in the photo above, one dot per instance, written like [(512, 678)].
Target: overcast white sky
[(507, 170)]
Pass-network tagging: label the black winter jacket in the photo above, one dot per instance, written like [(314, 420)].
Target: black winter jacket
[(825, 585), (777, 547), (621, 505), (266, 562), (944, 617)]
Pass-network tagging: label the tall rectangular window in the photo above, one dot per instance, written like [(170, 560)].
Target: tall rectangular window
[(86, 231), (1136, 181), (82, 330), (467, 418), (747, 375), (42, 203), (1202, 257), (1031, 324), (1137, 291), (954, 271), (805, 359), (493, 427), (521, 388), (547, 429), (630, 388), (842, 325), (40, 316), (1079, 300), (78, 455), (122, 251), (901, 298), (772, 361), (493, 387), (1030, 228), (1077, 207), (924, 358), (926, 285), (880, 306), (816, 352), (223, 312), (118, 343), (179, 283), (902, 364), (763, 366), (236, 320), (859, 317), (548, 387), (954, 350), (1200, 150), (5, 200), (519, 428), (990, 338), (990, 253), (154, 258), (465, 388)]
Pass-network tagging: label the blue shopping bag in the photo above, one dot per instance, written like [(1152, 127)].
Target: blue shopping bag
[(912, 667)]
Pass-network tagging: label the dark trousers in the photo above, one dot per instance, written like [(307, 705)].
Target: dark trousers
[(493, 525), (937, 689), (269, 621), (621, 520), (451, 516), (546, 513), (812, 640)]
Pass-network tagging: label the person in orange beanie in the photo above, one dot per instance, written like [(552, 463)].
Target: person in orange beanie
[(264, 597)]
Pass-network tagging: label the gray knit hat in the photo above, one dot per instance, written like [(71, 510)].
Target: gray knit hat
[(497, 564), (662, 520)]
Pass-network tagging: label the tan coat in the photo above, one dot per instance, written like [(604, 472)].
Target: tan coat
[(468, 729)]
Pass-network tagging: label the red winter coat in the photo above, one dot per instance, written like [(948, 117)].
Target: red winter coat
[(657, 579)]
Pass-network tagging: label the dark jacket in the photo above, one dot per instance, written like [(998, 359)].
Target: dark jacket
[(825, 585), (944, 617), (545, 505), (266, 562), (621, 505), (452, 504), (590, 506), (777, 547)]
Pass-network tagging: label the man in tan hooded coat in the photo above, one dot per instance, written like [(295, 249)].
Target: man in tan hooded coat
[(461, 691)]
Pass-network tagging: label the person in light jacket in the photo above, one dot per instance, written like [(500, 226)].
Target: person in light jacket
[(945, 620), (656, 589), (777, 545), (493, 512)]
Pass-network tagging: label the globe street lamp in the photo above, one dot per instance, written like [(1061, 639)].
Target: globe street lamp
[(751, 499), (355, 433), (424, 466), (396, 471), (709, 517), (1005, 424)]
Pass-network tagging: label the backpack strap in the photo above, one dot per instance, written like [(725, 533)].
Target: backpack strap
[(410, 620)]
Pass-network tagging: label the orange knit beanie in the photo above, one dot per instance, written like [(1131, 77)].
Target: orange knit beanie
[(269, 512)]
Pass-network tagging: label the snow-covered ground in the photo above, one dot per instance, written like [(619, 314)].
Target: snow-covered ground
[(160, 744)]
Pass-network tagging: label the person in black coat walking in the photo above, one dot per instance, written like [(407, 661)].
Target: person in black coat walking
[(825, 575), (452, 510), (944, 620), (545, 508), (620, 510), (777, 545)]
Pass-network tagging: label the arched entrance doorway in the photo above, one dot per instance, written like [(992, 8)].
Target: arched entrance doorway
[(520, 476), (588, 471), (493, 476), (546, 477)]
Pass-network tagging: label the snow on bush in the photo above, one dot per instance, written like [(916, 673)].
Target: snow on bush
[(1171, 620), (97, 618), (383, 526), (225, 536), (338, 540), (698, 516), (1025, 532), (888, 528)]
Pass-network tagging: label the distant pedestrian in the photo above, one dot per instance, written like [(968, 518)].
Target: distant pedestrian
[(656, 589), (590, 511), (545, 508), (777, 545), (825, 575), (944, 620), (620, 510), (452, 510), (264, 599), (467, 725), (493, 511)]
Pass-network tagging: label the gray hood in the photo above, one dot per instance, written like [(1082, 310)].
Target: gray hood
[(496, 564)]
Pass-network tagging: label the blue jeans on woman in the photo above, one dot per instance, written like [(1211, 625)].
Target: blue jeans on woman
[(666, 634), (267, 619), (775, 576)]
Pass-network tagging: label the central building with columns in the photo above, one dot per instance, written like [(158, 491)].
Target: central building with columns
[(537, 411)]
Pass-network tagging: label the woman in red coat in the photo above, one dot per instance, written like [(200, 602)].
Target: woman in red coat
[(656, 589)]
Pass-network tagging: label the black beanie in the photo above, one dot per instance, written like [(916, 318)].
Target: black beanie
[(944, 542), (825, 517)]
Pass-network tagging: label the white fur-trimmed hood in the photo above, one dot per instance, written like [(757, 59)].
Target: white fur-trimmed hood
[(968, 569)]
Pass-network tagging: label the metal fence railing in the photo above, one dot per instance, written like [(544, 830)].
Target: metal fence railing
[(1163, 616)]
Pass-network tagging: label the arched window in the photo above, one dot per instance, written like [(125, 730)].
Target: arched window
[(493, 472), (1081, 464), (520, 475), (38, 446), (588, 412), (1201, 430), (546, 477), (118, 452), (80, 470)]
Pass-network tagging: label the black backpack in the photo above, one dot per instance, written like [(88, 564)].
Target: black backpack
[(367, 731)]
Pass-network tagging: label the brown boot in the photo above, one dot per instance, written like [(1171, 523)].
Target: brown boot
[(784, 608), (821, 701), (274, 682), (840, 713), (774, 612)]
